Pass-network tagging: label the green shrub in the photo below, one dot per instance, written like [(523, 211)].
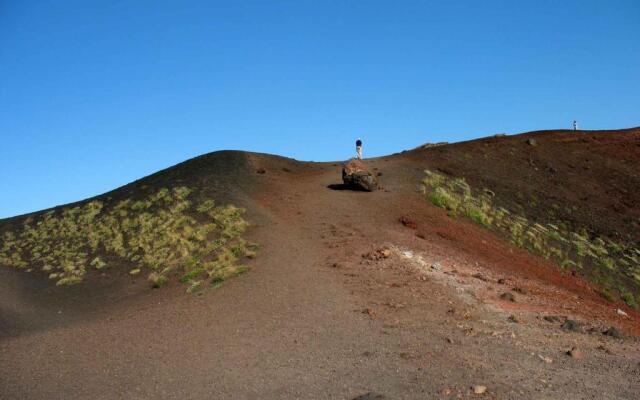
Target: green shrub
[(444, 199), (628, 298), (194, 286), (97, 263), (477, 215), (157, 279), (606, 263)]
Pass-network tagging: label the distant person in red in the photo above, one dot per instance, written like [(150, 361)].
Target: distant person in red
[(359, 149)]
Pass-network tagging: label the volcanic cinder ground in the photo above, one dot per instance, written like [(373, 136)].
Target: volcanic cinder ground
[(343, 300)]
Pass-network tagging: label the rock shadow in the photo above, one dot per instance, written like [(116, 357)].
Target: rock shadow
[(344, 186)]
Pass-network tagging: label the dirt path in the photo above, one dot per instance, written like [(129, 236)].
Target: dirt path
[(315, 319)]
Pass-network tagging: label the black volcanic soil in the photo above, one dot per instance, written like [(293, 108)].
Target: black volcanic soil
[(324, 313)]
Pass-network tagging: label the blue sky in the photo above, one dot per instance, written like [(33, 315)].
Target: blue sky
[(96, 94)]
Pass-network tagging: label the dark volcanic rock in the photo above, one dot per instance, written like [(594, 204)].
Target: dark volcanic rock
[(554, 318), (356, 175), (508, 296), (613, 332), (572, 326), (370, 396), (408, 222)]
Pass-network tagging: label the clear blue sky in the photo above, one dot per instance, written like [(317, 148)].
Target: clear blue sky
[(96, 94)]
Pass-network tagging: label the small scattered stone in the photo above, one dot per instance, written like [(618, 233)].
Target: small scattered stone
[(369, 311), (553, 318), (621, 312), (479, 389), (377, 254), (548, 360), (520, 290), (514, 319), (593, 330), (408, 222), (508, 296), (502, 281), (605, 349), (261, 171), (436, 266), (370, 396), (480, 276), (532, 142), (406, 356), (336, 265), (575, 353)]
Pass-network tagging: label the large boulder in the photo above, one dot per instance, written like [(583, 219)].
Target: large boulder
[(356, 175)]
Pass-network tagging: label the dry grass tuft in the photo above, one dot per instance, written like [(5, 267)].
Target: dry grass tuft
[(164, 233), (615, 267)]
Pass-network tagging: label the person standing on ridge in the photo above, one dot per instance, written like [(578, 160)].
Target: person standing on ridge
[(575, 125), (359, 149)]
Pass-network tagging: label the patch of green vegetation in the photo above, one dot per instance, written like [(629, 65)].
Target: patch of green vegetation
[(609, 264), (477, 215), (444, 200), (164, 233), (628, 298), (606, 293)]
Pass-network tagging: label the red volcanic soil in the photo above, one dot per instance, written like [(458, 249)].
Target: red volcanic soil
[(352, 293)]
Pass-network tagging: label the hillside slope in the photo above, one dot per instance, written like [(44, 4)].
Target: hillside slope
[(589, 179), (581, 188), (342, 299)]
